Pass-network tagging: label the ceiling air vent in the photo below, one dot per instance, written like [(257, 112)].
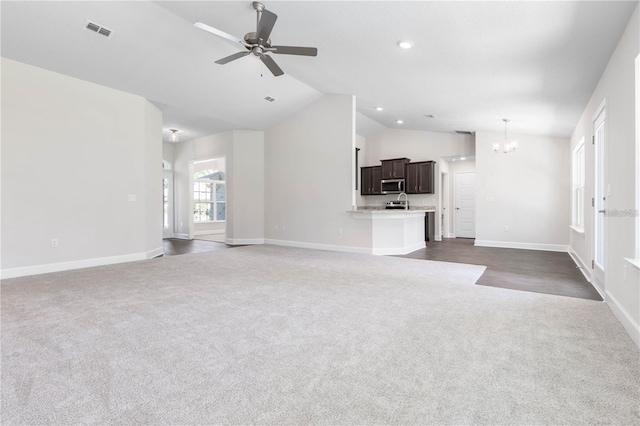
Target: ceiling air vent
[(463, 132), (270, 99), (98, 29)]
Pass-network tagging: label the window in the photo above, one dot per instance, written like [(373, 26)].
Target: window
[(578, 186), (209, 196)]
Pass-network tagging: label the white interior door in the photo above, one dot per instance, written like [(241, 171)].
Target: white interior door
[(600, 199), (167, 204), (465, 205)]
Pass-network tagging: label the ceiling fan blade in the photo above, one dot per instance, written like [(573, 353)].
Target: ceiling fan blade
[(267, 21), (219, 33), (232, 58), (270, 63), (294, 50)]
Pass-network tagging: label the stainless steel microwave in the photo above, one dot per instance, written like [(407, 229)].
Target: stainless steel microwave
[(392, 186)]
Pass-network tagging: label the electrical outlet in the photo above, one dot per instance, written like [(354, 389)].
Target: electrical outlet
[(54, 242), (339, 231), (132, 197), (506, 228)]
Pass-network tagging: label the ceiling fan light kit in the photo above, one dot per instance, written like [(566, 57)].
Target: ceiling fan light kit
[(258, 42)]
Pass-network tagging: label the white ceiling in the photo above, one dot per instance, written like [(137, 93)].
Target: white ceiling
[(472, 64)]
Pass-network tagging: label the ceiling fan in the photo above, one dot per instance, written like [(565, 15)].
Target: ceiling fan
[(258, 42)]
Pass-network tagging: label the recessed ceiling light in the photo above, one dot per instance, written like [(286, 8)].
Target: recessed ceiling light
[(399, 121), (463, 158), (405, 44), (379, 108)]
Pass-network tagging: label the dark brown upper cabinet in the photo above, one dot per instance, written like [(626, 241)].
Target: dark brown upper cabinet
[(370, 178), (420, 177), (394, 168)]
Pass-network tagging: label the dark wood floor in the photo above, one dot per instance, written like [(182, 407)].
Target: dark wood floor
[(175, 246), (526, 270)]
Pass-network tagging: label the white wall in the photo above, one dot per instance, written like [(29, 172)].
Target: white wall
[(244, 154), (616, 85), (527, 190), (247, 192), (72, 153), (309, 176), (168, 152)]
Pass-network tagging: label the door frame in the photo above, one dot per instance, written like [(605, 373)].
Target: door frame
[(444, 202), (169, 232), (598, 272)]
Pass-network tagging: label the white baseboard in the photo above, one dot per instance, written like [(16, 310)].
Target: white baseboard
[(243, 241), (316, 246), (182, 236), (399, 250), (209, 232), (437, 238), (623, 316), (78, 264), (450, 235), (348, 249), (586, 271), (524, 246)]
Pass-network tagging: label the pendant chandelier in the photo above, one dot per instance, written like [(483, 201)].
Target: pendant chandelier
[(507, 145)]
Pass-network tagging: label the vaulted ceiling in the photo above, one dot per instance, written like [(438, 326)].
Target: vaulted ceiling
[(472, 63)]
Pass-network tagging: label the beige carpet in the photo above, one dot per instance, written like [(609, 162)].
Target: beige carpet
[(273, 335)]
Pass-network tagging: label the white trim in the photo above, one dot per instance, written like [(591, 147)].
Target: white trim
[(525, 246), (437, 238), (182, 236), (580, 264), (450, 235), (300, 244), (348, 249), (601, 107), (623, 316), (398, 250), (635, 263), (78, 264), (209, 232), (586, 271), (243, 241), (577, 230)]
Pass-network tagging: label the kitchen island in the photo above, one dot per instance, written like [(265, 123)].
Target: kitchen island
[(395, 231)]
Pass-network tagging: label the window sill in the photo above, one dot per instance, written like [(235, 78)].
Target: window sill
[(577, 230), (634, 262), (209, 221)]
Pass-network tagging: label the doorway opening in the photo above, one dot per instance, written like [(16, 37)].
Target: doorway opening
[(208, 200), (167, 200)]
